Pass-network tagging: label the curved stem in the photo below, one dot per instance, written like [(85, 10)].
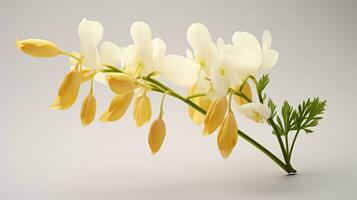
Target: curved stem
[(162, 88)]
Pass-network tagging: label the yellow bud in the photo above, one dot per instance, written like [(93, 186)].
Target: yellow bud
[(157, 134), (142, 110), (117, 108), (68, 91), (38, 47), (88, 110), (246, 91), (121, 83), (203, 101), (215, 115), (228, 135)]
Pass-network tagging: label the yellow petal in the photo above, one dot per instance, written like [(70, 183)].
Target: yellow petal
[(88, 110), (117, 107), (228, 135), (142, 110), (38, 47), (246, 91), (157, 135), (68, 92), (215, 115), (121, 83), (203, 102)]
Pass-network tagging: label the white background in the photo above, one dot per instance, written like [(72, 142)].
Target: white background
[(46, 154)]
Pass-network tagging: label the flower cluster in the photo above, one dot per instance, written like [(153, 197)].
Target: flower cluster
[(214, 72)]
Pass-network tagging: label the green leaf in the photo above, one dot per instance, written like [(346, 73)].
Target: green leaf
[(309, 114), (262, 83)]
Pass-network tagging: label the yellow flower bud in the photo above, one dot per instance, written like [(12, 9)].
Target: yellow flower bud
[(142, 110), (38, 47), (88, 110), (68, 92), (228, 135), (157, 134), (121, 83), (117, 108), (246, 91), (215, 115)]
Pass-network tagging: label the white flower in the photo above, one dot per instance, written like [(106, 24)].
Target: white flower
[(246, 40), (90, 34), (224, 65), (255, 111), (204, 49), (232, 64)]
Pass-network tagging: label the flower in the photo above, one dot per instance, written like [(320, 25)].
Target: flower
[(233, 64), (38, 48), (147, 55), (222, 65), (117, 108), (269, 57), (255, 111), (142, 110), (68, 91), (90, 35), (157, 134), (227, 135), (215, 115), (88, 109), (120, 83)]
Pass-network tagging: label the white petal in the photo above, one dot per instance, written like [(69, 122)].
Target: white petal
[(200, 40), (91, 55), (90, 32), (189, 54), (269, 58), (159, 49), (245, 61), (228, 70), (128, 58), (220, 86), (100, 78), (141, 35), (255, 111), (110, 53), (203, 83), (246, 40), (178, 69), (266, 40)]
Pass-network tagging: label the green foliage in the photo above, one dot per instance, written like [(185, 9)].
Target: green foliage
[(305, 117), (261, 85), (308, 114)]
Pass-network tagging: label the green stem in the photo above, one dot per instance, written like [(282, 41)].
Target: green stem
[(286, 167), (196, 95), (293, 144), (240, 94), (70, 55)]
